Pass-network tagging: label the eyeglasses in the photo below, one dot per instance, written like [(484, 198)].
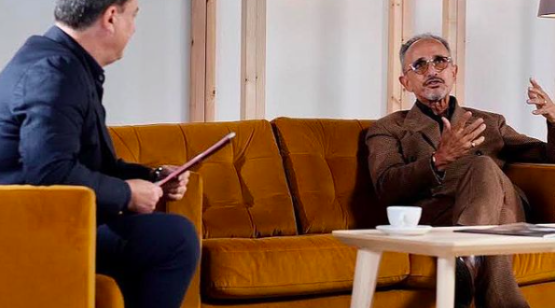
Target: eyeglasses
[(420, 66)]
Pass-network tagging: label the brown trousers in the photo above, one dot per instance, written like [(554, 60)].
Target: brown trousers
[(483, 195)]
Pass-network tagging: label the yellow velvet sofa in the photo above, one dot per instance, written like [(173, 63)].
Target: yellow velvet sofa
[(264, 207)]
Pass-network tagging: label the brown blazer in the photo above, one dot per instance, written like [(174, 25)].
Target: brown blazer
[(400, 146)]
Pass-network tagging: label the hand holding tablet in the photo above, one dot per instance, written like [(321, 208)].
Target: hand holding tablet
[(197, 159)]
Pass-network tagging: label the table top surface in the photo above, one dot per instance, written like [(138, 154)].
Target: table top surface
[(444, 242)]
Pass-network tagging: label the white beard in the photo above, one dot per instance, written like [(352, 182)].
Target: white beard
[(436, 96)]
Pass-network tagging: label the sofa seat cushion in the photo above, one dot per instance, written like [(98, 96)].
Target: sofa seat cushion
[(286, 266), (528, 269)]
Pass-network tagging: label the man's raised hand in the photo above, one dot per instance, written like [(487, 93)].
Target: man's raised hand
[(457, 140)]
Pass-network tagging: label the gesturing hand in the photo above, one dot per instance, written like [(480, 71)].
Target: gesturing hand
[(457, 140), (544, 105)]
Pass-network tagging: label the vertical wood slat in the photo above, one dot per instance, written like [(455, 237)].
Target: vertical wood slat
[(210, 88), (198, 61), (408, 32), (454, 30), (400, 30), (253, 59)]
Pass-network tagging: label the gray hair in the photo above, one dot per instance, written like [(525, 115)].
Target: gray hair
[(80, 14), (426, 36)]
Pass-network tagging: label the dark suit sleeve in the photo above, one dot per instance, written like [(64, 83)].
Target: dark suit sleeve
[(521, 148), (52, 110), (395, 180), (127, 171)]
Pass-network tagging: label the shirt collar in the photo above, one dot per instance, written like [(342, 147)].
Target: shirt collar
[(448, 113), (58, 35)]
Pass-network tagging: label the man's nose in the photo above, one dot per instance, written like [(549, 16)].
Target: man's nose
[(431, 72)]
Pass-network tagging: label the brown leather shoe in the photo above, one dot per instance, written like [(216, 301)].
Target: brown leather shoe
[(464, 284)]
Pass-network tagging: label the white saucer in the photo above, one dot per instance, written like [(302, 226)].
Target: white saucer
[(391, 230)]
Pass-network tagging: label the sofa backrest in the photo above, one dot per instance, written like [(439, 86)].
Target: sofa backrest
[(245, 189), (326, 165)]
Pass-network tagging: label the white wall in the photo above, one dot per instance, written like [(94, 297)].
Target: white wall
[(428, 16), (228, 60), (326, 58), (506, 44), (20, 19), (151, 83)]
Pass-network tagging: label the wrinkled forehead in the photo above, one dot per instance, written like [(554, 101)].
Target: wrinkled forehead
[(425, 48)]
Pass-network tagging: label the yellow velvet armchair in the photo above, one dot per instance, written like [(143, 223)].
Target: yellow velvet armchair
[(47, 247)]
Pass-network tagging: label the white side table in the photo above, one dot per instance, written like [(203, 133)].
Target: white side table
[(442, 243)]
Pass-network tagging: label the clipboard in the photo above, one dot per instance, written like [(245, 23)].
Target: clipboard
[(197, 159)]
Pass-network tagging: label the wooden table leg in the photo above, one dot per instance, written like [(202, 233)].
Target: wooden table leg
[(366, 275), (445, 296)]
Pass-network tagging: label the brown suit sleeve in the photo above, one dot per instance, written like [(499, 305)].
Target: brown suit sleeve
[(521, 148), (396, 180)]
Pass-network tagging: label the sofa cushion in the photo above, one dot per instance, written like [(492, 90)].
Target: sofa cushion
[(245, 189), (108, 294), (286, 266), (528, 269), (326, 165)]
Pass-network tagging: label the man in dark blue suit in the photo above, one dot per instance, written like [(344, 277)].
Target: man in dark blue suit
[(53, 131)]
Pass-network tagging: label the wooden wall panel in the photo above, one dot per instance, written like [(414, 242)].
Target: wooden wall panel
[(203, 61), (454, 30), (253, 59), (400, 30)]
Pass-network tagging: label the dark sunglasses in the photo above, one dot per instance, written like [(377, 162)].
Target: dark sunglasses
[(420, 66)]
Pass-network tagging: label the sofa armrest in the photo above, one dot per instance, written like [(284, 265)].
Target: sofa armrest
[(191, 207), (47, 246), (538, 182), (191, 204)]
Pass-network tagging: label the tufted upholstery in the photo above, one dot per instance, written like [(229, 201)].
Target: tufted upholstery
[(266, 217), (245, 191), (325, 161)]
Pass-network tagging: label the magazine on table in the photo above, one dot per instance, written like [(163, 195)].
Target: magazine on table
[(518, 229)]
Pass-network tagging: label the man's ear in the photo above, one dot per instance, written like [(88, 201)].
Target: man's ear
[(455, 70), (405, 82), (108, 17)]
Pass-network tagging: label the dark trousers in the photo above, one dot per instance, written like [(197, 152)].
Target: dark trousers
[(152, 257)]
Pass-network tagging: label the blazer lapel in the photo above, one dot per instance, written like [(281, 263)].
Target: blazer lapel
[(422, 126), (457, 114), (104, 134)]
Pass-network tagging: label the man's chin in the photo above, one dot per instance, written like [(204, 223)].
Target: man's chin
[(435, 97), (114, 59)]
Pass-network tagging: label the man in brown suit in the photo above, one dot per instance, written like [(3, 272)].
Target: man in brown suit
[(449, 160)]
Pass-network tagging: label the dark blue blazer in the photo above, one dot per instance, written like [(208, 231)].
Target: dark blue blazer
[(52, 123)]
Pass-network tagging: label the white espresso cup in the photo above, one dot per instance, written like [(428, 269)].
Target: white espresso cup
[(404, 216)]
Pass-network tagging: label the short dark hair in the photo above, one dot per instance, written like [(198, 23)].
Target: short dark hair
[(80, 14), (416, 38)]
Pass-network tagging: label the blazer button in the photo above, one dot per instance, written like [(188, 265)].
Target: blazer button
[(479, 153), (413, 159)]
